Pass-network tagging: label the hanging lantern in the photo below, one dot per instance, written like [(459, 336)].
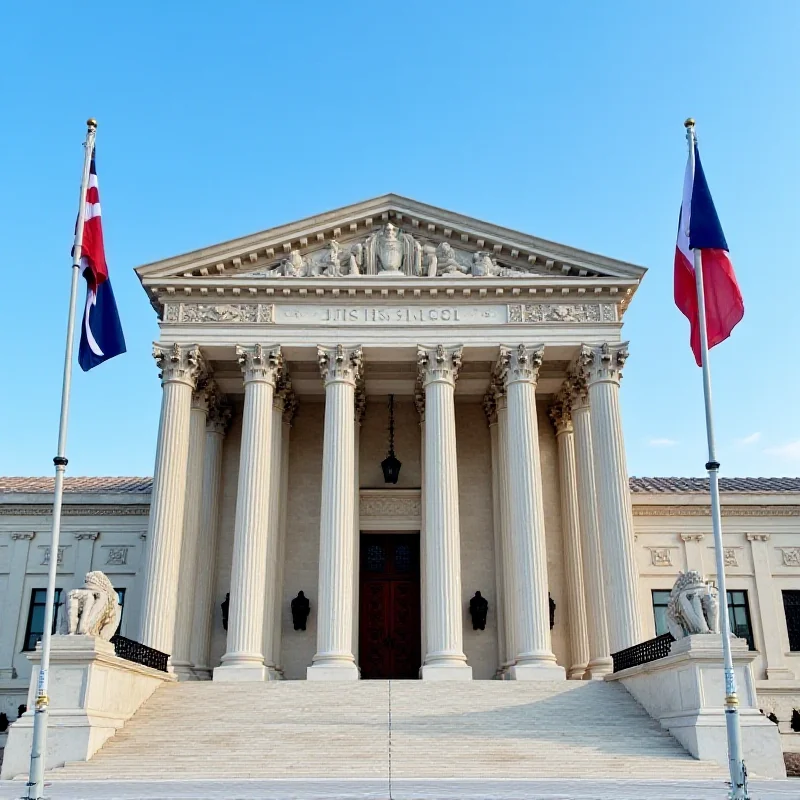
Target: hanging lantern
[(390, 465)]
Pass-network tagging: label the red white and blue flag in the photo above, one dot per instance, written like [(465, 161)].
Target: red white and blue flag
[(699, 229), (101, 331)]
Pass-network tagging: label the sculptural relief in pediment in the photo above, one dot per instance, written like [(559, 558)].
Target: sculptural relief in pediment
[(389, 252)]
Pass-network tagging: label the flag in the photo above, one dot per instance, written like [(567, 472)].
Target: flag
[(699, 229), (101, 331)]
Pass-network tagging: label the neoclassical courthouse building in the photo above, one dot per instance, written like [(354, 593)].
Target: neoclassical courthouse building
[(298, 366)]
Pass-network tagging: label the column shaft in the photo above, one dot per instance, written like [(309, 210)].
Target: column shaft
[(444, 659), (334, 660), (604, 367), (187, 598), (535, 659), (244, 659), (600, 662), (180, 368), (571, 532), (509, 574), (203, 617)]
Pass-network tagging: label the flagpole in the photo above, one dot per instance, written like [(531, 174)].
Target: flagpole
[(39, 743), (735, 761)]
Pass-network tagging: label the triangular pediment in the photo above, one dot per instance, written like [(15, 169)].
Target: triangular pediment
[(386, 236)]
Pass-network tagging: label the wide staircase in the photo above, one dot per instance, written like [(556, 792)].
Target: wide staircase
[(406, 729)]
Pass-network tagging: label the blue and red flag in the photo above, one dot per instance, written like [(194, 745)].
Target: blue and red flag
[(699, 229), (101, 331)]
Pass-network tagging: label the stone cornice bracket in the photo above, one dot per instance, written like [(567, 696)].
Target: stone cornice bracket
[(692, 537), (23, 535), (219, 414), (604, 363), (260, 363), (85, 535), (439, 364), (179, 363), (340, 364), (520, 363), (757, 537), (561, 414)]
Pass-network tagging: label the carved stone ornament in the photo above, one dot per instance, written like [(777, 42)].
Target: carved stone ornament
[(340, 363), (301, 608), (93, 610), (520, 363), (537, 313), (790, 556), (660, 556), (46, 555), (604, 363), (178, 363), (478, 610), (219, 415), (439, 363), (390, 506), (262, 313), (260, 363), (117, 556), (693, 606), (390, 252), (729, 556), (560, 414)]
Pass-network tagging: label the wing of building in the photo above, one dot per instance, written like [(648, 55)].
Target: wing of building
[(399, 412)]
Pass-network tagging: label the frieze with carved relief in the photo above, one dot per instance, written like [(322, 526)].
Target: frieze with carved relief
[(258, 313), (533, 313)]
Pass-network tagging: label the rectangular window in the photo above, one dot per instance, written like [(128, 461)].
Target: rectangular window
[(660, 601), (739, 617), (791, 607), (35, 627)]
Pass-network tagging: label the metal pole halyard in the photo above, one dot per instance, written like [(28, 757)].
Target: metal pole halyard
[(39, 743), (735, 761)]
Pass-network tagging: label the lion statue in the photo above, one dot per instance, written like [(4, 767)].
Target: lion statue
[(93, 610), (693, 606)]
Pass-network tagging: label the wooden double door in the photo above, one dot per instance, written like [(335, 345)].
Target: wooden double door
[(389, 622)]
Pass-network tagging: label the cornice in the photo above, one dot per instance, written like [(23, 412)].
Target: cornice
[(75, 511), (705, 511)]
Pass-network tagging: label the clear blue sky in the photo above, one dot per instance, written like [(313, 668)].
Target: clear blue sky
[(563, 120)]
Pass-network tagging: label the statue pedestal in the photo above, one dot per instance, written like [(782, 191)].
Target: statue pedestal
[(92, 693), (685, 692)]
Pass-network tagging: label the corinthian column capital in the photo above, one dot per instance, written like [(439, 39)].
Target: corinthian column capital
[(206, 393), (439, 364), (179, 363), (259, 363), (561, 413), (603, 363), (219, 414), (520, 363), (340, 364)]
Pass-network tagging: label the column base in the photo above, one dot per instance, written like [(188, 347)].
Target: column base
[(184, 672), (577, 672), (274, 674), (536, 672), (240, 673), (332, 672), (599, 668), (446, 672), (202, 673)]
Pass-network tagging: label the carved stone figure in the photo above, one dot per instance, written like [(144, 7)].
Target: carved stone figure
[(93, 610), (483, 265), (332, 261), (301, 608), (294, 266), (391, 252), (447, 262), (693, 606), (478, 609)]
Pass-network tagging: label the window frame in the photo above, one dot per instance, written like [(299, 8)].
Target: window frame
[(32, 605), (655, 606), (794, 631)]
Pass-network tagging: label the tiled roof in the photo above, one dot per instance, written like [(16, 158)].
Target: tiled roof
[(77, 485), (677, 485), (638, 485)]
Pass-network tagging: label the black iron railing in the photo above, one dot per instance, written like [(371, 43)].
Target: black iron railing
[(644, 652), (139, 653)]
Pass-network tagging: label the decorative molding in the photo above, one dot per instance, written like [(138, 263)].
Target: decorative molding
[(757, 537), (381, 509), (729, 556), (46, 554), (75, 511), (692, 537), (116, 556), (229, 313), (790, 556), (537, 313), (705, 511), (93, 536), (661, 556)]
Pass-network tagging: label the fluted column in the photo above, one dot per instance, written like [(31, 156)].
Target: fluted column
[(218, 418), (509, 576), (419, 404), (603, 366), (290, 409), (490, 409), (340, 367), (571, 532), (244, 658), (361, 410), (600, 662), (187, 599), (519, 369), (180, 367), (444, 659)]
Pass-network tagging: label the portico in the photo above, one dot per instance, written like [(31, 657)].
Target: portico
[(503, 354)]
